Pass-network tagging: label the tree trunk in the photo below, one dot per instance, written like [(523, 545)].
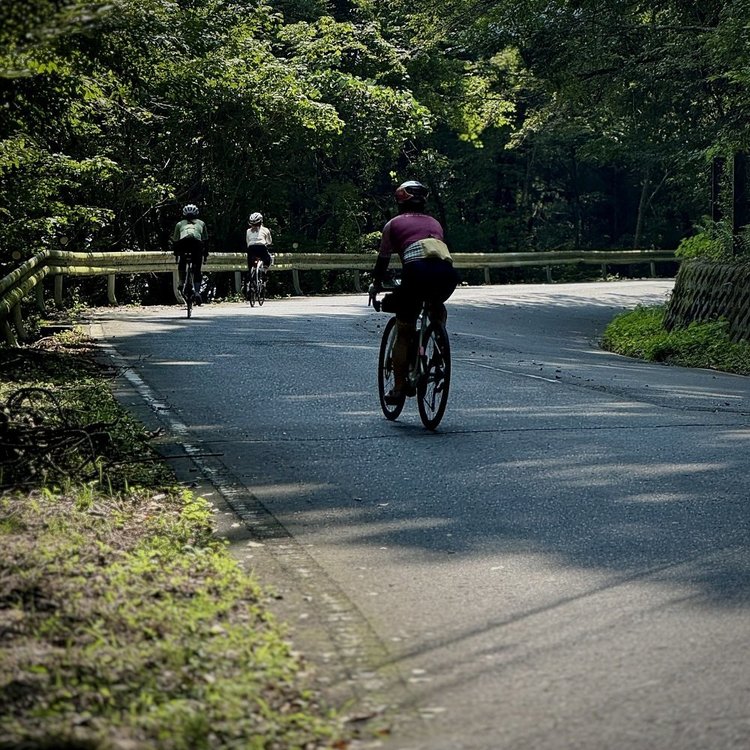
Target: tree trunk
[(577, 212), (642, 209)]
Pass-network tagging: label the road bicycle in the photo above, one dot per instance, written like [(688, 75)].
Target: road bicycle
[(255, 289), (429, 375), (188, 288)]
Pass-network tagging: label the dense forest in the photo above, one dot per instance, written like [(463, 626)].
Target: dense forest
[(537, 124)]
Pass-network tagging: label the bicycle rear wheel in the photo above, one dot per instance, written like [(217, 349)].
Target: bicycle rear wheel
[(434, 384), (187, 291), (386, 378)]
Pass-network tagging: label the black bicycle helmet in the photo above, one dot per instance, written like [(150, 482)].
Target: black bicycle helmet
[(411, 192)]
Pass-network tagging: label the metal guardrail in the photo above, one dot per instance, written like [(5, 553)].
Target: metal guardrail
[(27, 278)]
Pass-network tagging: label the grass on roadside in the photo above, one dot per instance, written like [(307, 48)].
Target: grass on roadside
[(124, 622), (640, 333)]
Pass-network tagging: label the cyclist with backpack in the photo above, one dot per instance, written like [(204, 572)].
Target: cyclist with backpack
[(428, 273), (190, 239), (257, 241)]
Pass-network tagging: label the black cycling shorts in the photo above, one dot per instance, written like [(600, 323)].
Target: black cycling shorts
[(421, 281), (258, 251)]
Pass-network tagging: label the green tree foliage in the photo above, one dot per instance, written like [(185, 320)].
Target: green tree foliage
[(537, 123), (117, 121), (633, 96)]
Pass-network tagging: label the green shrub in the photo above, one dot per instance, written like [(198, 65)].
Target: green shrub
[(714, 240), (640, 333), (700, 246)]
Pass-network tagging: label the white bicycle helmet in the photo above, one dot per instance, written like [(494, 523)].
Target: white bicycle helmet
[(190, 210), (411, 192), (255, 218)]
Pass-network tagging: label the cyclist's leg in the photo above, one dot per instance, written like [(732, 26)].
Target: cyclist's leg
[(262, 280), (250, 264), (406, 308), (198, 269), (196, 256), (401, 347), (181, 263)]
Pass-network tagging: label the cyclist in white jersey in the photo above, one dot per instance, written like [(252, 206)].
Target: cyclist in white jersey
[(258, 241)]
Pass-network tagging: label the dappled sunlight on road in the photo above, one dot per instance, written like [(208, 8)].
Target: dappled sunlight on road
[(597, 464), (325, 396), (650, 498), (587, 471), (281, 490), (604, 294), (334, 345), (182, 363)]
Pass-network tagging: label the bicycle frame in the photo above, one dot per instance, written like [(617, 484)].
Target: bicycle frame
[(417, 347)]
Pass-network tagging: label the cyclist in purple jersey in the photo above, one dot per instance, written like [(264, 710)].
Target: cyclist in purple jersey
[(428, 273)]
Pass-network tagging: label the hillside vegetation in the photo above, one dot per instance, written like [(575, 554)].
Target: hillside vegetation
[(540, 125), (125, 623)]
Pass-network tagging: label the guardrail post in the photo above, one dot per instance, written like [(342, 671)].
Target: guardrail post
[(357, 282), (238, 282), (111, 289), (548, 269), (8, 335), (18, 321), (58, 290), (295, 281), (39, 293), (653, 269), (487, 279)]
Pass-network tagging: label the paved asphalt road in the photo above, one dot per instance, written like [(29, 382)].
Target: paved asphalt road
[(564, 564)]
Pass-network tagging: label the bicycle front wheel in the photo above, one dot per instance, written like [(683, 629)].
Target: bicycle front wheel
[(434, 383), (187, 292), (386, 378), (252, 288)]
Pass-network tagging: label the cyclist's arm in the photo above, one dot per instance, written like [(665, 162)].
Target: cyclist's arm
[(204, 240), (174, 239), (378, 273), (384, 256)]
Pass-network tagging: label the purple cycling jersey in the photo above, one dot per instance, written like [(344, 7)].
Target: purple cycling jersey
[(406, 229)]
